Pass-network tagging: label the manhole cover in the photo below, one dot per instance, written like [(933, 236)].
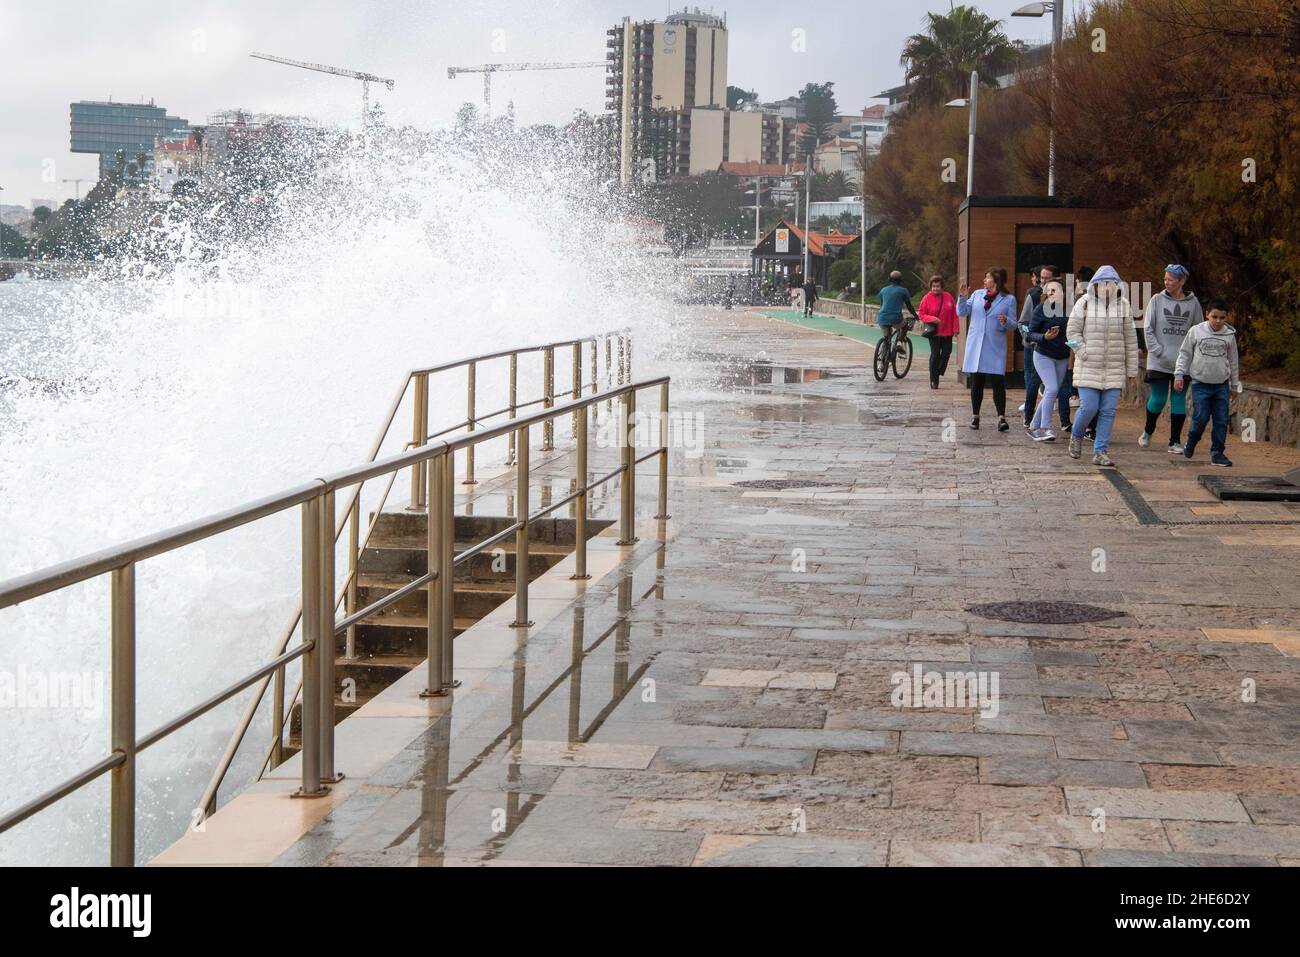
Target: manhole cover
[(783, 484), (1043, 612)]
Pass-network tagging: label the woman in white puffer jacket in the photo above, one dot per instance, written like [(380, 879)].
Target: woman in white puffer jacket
[(1101, 331)]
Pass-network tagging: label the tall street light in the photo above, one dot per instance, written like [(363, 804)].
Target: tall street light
[(757, 193), (807, 212), (973, 102), (1057, 9), (862, 229)]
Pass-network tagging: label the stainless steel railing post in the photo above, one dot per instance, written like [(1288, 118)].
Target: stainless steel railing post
[(447, 542), (627, 440), (436, 682), (663, 453), (122, 718), (580, 523), (354, 559), (311, 632), (609, 371), (548, 402), (277, 719), (325, 660), (419, 435), (577, 380), (521, 534), (471, 374), (514, 400)]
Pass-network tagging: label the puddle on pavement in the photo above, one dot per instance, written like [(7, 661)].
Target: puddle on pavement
[(731, 371)]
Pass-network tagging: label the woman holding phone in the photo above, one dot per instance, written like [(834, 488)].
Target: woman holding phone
[(1050, 355), (992, 313)]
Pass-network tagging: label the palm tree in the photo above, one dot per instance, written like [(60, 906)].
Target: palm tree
[(940, 60), (828, 187)]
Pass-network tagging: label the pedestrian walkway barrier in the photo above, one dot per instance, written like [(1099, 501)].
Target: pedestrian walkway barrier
[(430, 460)]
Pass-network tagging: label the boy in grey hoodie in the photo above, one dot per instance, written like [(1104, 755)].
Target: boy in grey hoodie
[(1209, 357), (1169, 315)]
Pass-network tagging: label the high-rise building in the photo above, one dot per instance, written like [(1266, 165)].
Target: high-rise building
[(131, 129), (712, 137), (657, 71)]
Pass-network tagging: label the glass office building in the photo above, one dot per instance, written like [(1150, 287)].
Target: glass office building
[(134, 128)]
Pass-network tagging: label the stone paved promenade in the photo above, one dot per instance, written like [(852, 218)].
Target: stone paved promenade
[(725, 698)]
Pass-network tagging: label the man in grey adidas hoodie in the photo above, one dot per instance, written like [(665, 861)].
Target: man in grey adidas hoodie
[(1209, 357), (1169, 315)]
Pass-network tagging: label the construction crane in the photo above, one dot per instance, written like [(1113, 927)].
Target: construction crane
[(365, 78), (487, 69), (78, 182)]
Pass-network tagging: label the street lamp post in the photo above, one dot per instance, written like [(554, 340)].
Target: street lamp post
[(807, 209), (1057, 9), (862, 230), (757, 193), (973, 102)]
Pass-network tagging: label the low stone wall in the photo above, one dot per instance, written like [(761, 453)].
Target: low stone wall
[(851, 311), (1275, 411)]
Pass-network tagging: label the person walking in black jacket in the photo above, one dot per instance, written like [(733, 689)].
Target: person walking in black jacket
[(809, 296), (1051, 356)]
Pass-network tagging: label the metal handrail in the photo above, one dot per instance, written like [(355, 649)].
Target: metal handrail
[(356, 543), (317, 500)]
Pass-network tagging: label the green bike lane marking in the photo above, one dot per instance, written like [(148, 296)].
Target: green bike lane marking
[(869, 334)]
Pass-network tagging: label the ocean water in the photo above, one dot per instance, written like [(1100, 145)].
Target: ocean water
[(170, 388)]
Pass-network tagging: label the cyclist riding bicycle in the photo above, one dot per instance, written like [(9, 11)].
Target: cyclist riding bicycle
[(892, 300), (894, 350)]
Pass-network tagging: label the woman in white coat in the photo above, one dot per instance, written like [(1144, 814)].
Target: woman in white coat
[(1106, 355), (992, 313)]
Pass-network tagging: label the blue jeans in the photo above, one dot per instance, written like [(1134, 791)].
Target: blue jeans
[(1051, 372), (1101, 403), (1209, 401)]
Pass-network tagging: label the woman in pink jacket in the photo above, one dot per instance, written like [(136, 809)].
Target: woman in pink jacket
[(939, 307)]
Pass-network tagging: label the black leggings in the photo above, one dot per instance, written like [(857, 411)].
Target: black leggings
[(977, 380), (940, 353)]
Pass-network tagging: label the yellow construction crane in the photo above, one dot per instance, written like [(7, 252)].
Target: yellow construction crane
[(365, 78), (487, 69)]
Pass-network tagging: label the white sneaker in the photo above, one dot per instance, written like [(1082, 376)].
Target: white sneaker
[(1144, 440), (1175, 448), (1045, 435), (1022, 407), (1033, 433)]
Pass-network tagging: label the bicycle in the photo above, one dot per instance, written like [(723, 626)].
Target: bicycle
[(892, 347)]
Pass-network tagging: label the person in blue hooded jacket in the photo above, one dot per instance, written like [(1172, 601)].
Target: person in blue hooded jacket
[(992, 313)]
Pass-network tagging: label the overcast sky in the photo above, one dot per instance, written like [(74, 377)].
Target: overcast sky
[(191, 56)]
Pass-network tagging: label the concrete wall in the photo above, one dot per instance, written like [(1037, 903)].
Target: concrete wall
[(745, 142), (851, 311), (710, 67), (669, 67), (718, 66), (706, 140)]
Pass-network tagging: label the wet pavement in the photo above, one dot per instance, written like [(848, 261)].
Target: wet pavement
[(728, 691)]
